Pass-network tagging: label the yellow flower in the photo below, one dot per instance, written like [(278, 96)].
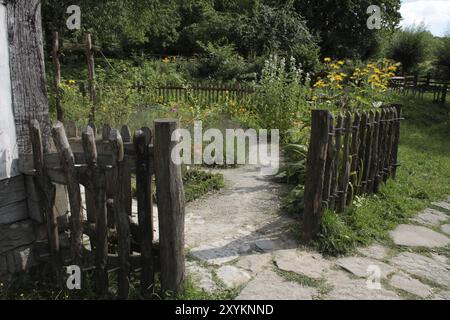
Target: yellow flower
[(327, 59), (72, 81), (340, 62), (166, 60)]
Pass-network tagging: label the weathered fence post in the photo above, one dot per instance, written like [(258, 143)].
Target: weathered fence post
[(395, 164), (97, 179), (444, 93), (73, 188), (368, 153), (335, 168), (345, 163), (317, 155), (145, 210), (354, 158), (91, 73), (57, 76), (171, 211), (46, 197), (326, 196), (375, 154), (120, 213)]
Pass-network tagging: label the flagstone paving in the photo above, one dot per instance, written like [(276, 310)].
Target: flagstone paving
[(238, 239)]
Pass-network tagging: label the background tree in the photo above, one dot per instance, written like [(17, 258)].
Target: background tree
[(443, 57), (411, 47), (342, 24)]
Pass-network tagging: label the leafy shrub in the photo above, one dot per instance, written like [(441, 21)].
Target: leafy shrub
[(221, 63), (410, 47), (280, 100), (198, 183), (443, 57)]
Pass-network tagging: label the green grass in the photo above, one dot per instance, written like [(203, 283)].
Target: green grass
[(423, 177)]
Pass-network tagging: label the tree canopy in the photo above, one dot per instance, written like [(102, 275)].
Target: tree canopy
[(253, 27)]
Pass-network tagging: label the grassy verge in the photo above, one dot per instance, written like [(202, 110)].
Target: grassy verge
[(423, 177), (198, 183)]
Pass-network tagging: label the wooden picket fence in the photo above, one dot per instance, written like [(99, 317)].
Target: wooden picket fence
[(104, 166), (418, 86), (207, 93), (348, 156)]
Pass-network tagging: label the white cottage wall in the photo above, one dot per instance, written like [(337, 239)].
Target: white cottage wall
[(8, 145)]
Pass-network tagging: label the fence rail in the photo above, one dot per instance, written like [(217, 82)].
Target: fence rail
[(350, 155), (419, 85), (104, 166)]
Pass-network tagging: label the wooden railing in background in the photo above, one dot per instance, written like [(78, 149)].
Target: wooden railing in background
[(104, 167), (350, 155), (419, 85)]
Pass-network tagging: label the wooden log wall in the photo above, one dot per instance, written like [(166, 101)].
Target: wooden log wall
[(105, 169), (348, 155)]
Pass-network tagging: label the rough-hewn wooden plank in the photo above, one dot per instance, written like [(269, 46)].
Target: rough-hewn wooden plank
[(395, 163), (13, 212), (371, 186), (329, 164), (18, 260), (27, 71), (145, 212), (354, 158), (12, 190), (335, 169), (73, 188), (171, 209), (16, 235), (46, 193), (346, 163), (362, 149), (91, 75), (101, 228), (315, 169), (390, 143), (120, 213), (368, 153)]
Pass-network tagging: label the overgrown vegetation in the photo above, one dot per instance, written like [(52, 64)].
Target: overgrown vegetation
[(423, 177), (198, 183)]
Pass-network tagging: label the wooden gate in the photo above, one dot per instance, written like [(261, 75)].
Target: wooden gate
[(348, 156), (104, 166)]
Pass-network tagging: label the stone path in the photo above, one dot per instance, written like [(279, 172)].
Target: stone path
[(238, 240)]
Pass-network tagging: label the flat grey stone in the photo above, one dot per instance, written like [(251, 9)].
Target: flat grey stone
[(417, 236), (443, 295), (216, 253), (202, 277), (345, 288), (446, 228), (254, 262), (439, 258), (309, 264), (232, 276), (424, 267), (406, 283), (267, 245), (430, 217), (363, 267), (442, 204), (375, 251), (267, 285)]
